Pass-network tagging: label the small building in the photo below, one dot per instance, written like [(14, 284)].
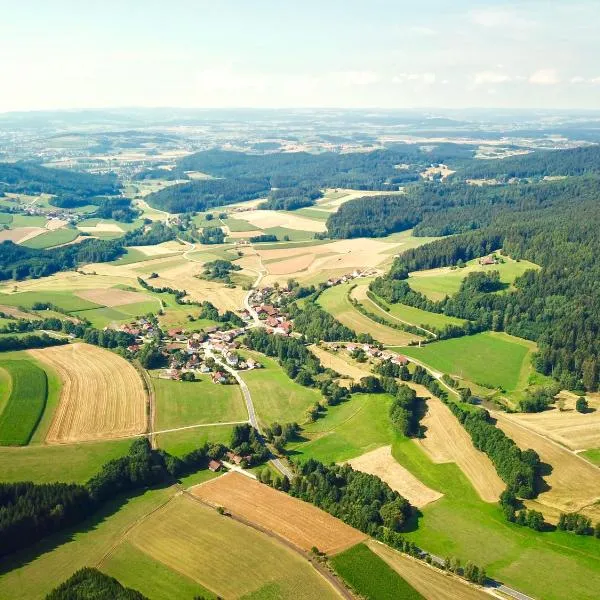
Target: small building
[(236, 459), (272, 322), (400, 359), (214, 465), (175, 332), (219, 377)]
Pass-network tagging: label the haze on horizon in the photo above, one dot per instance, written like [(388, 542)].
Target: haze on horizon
[(267, 53)]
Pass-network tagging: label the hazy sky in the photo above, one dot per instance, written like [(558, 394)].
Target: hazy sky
[(284, 53)]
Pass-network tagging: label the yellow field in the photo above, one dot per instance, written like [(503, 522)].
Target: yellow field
[(273, 218), (446, 441), (570, 428), (574, 482), (226, 557), (343, 366), (428, 581), (381, 463), (102, 395), (112, 297), (302, 524)]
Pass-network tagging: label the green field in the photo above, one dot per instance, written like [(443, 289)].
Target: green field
[(28, 221), (335, 301), (348, 430), (5, 387), (489, 359), (552, 566), (276, 397), (236, 225), (311, 213), (371, 576), (416, 316), (101, 317), (65, 300), (593, 455), (133, 256), (181, 403), (52, 238), (184, 441), (438, 283), (25, 405), (5, 218), (294, 235), (287, 245)]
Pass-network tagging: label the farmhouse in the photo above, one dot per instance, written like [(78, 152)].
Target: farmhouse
[(219, 377), (488, 260), (215, 465)]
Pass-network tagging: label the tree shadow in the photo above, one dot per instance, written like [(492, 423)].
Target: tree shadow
[(412, 523), (541, 485)]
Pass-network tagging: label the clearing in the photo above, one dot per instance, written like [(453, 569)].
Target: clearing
[(436, 284), (574, 482), (381, 463), (102, 395), (224, 556), (344, 365), (446, 441), (301, 523), (427, 580), (335, 301)]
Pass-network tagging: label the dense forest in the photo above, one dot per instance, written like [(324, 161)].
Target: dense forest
[(291, 198), (542, 163), (200, 195), (90, 584)]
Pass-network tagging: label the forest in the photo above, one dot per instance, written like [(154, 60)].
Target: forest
[(291, 198)]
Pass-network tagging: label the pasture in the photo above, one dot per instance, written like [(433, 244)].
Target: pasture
[(276, 397), (183, 441), (55, 237), (335, 301), (445, 281), (492, 360), (370, 576), (428, 581), (228, 558), (102, 395), (381, 463), (181, 403), (593, 455), (25, 392), (301, 523)]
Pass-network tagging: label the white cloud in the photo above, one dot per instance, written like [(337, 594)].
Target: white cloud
[(484, 77), (228, 79), (425, 31), (577, 79), (356, 77), (544, 77), (497, 17), (426, 78)]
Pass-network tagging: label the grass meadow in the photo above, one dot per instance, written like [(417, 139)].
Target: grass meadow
[(371, 576), (183, 441), (56, 237), (24, 406)]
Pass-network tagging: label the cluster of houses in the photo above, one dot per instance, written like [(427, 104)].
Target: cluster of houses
[(356, 274), (143, 330), (374, 352), (274, 320)]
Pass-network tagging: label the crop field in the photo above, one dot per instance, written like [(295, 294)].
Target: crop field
[(335, 301), (552, 566), (438, 283), (239, 225), (224, 556), (301, 523), (492, 360), (102, 395), (111, 296), (263, 219), (428, 581), (27, 388), (183, 441), (446, 440), (568, 427), (276, 397), (574, 483), (365, 572), (65, 300), (381, 463), (181, 403), (340, 362), (20, 234), (348, 430), (593, 455), (56, 237)]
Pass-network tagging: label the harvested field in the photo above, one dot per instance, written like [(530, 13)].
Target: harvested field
[(343, 366), (381, 463), (446, 441), (570, 428), (160, 249), (55, 224), (15, 312), (112, 297), (574, 482), (428, 581), (102, 228), (102, 395), (299, 522), (271, 218), (225, 556), (20, 234)]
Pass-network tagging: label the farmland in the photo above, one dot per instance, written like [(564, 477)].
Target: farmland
[(344, 365), (300, 523), (187, 537), (276, 397), (52, 238), (370, 576), (25, 402), (102, 395), (492, 360), (181, 403), (183, 441), (428, 581), (335, 301), (438, 283)]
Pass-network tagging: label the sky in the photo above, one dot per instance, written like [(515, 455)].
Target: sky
[(279, 53)]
